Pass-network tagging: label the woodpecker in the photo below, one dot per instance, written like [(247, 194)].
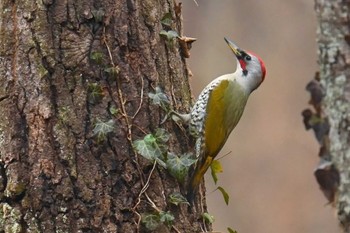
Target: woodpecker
[(219, 108)]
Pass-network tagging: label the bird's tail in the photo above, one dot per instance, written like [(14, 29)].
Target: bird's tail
[(197, 176)]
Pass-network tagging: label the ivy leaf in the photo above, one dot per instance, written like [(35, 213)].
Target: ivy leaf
[(95, 93), (177, 198), (167, 20), (151, 149), (103, 128), (178, 166), (216, 168), (187, 159), (162, 135), (114, 70), (159, 98), (166, 217), (230, 230), (97, 57), (159, 149), (113, 110), (208, 218), (169, 35), (224, 194), (149, 138), (151, 221), (98, 15), (145, 147), (172, 34)]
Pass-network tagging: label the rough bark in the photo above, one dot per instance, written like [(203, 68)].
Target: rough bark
[(334, 58), (64, 67)]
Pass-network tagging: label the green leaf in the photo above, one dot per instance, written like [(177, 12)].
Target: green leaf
[(208, 218), (151, 221), (159, 98), (167, 19), (187, 159), (145, 147), (95, 93), (98, 15), (177, 198), (166, 217), (231, 231), (163, 33), (224, 194), (162, 135), (113, 110), (151, 149), (178, 166), (169, 35), (216, 168), (149, 138), (103, 128), (158, 148), (97, 57), (113, 70), (172, 34)]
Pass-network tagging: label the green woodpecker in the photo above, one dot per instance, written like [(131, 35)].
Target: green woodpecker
[(219, 108)]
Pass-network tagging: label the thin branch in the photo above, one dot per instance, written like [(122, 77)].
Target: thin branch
[(141, 98), (144, 188), (224, 155)]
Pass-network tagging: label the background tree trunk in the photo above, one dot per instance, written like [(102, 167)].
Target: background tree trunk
[(333, 37), (67, 69)]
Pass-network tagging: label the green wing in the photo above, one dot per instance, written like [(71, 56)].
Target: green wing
[(215, 132), (225, 107)]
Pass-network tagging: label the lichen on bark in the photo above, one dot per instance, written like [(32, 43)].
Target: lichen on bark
[(334, 58)]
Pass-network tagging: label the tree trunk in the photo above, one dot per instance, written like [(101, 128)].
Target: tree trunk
[(333, 37), (74, 83)]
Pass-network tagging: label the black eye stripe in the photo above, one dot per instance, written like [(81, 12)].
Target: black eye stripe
[(245, 56)]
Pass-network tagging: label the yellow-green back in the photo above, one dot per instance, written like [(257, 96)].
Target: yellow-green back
[(224, 110)]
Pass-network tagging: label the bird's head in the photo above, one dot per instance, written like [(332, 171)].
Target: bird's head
[(251, 70)]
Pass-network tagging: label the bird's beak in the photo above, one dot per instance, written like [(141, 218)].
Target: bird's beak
[(235, 49)]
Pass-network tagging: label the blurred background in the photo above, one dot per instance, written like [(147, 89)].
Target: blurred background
[(269, 173)]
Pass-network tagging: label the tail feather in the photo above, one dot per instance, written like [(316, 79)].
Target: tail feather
[(197, 176)]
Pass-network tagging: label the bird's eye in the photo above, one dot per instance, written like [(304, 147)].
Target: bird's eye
[(248, 58)]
